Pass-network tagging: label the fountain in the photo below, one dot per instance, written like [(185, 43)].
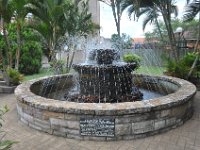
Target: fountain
[(104, 103), (105, 79)]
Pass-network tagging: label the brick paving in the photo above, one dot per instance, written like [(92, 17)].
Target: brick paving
[(185, 137)]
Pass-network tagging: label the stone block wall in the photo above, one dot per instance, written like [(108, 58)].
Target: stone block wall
[(131, 119)]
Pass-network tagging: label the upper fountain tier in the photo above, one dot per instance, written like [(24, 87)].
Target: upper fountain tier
[(104, 56), (105, 78)]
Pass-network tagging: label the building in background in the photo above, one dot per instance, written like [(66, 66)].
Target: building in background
[(138, 42), (94, 8)]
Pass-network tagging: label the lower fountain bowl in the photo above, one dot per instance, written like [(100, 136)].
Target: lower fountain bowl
[(105, 121)]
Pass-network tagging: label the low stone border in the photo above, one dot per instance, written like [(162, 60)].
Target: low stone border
[(6, 89), (129, 120)]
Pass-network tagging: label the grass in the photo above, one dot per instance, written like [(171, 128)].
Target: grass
[(42, 73), (150, 70)]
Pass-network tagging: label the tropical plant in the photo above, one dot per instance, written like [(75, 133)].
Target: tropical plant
[(190, 26), (4, 144), (55, 19), (19, 15), (151, 16), (48, 20), (14, 76), (31, 54), (182, 68), (166, 8), (192, 9), (5, 17)]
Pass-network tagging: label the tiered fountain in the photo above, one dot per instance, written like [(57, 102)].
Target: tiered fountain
[(104, 78), (107, 105)]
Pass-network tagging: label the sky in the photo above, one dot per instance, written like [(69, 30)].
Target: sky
[(130, 27)]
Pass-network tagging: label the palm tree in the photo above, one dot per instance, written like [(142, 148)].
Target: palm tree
[(191, 11), (117, 13), (57, 18), (49, 20), (166, 8), (79, 23), (19, 14), (152, 14), (5, 17)]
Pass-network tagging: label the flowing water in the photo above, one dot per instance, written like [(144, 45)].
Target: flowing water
[(104, 77)]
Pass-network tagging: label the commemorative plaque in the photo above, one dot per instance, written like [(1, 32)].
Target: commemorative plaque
[(102, 127)]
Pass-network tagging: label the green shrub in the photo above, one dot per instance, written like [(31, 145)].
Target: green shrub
[(30, 53), (31, 57), (181, 68), (14, 76), (132, 58), (59, 67)]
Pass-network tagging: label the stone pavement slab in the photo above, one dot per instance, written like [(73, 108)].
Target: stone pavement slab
[(185, 137)]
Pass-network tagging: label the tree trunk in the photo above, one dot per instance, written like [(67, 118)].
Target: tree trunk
[(115, 5), (72, 59), (8, 47), (158, 26), (119, 17), (193, 66), (18, 45), (115, 16), (196, 50), (170, 33), (198, 37)]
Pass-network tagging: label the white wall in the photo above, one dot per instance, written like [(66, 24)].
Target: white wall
[(94, 8)]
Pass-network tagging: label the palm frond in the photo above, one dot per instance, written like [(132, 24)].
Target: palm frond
[(191, 10), (42, 29), (147, 19), (174, 10)]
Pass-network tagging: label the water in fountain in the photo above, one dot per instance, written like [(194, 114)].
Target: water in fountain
[(104, 78), (152, 64)]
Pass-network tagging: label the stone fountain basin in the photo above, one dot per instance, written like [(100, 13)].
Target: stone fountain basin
[(130, 119)]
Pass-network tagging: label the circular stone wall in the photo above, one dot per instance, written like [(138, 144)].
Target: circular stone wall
[(104, 121)]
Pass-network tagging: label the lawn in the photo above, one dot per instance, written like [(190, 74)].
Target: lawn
[(42, 73), (143, 69), (151, 70)]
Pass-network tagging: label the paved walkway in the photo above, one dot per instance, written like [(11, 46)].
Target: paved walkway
[(186, 137)]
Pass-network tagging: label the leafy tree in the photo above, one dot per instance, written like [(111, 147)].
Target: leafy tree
[(5, 17), (190, 26), (19, 15), (56, 19), (49, 20), (121, 42), (81, 26), (31, 52)]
